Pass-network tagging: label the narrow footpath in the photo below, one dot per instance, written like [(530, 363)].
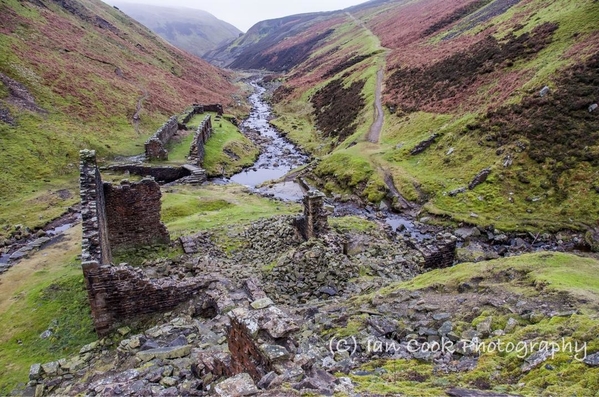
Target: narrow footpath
[(374, 133)]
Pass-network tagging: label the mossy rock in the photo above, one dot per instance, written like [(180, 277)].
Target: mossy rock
[(592, 239)]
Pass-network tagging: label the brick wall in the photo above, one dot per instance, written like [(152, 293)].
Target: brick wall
[(117, 293), (133, 214)]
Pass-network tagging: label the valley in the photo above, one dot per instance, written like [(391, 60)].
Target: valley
[(394, 199)]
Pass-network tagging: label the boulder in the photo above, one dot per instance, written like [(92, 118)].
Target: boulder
[(238, 386), (592, 360)]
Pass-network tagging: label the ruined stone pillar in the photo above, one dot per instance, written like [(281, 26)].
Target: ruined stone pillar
[(314, 222), (95, 243)]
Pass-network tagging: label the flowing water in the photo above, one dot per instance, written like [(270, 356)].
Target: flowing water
[(279, 157)]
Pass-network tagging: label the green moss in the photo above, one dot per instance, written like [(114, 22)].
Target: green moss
[(557, 271), (351, 224), (501, 369), (138, 256), (347, 170)]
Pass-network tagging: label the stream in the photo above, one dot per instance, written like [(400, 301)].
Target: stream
[(53, 232), (279, 156)]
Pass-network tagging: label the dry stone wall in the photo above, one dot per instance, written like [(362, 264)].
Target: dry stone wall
[(203, 133), (95, 242), (156, 145)]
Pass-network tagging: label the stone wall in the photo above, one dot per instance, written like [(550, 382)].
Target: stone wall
[(133, 214), (116, 217), (119, 293), (216, 108), (95, 242), (258, 339), (203, 133), (199, 109), (439, 255), (156, 145)]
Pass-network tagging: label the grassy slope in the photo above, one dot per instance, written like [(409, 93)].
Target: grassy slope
[(45, 291), (556, 272), (89, 80), (186, 210), (504, 200)]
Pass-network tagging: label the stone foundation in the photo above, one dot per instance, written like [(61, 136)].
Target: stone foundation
[(155, 147)]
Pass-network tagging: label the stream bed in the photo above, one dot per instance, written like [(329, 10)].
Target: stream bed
[(279, 156), (52, 234)]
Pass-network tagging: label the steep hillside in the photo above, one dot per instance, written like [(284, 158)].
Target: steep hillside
[(463, 84), (192, 30), (81, 74), (246, 52)]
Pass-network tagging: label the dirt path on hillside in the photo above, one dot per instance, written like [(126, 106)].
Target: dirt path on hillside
[(47, 261), (374, 134), (138, 109)]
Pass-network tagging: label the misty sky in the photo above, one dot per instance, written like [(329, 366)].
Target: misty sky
[(245, 13)]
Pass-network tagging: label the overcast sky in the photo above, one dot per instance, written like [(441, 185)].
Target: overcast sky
[(245, 13)]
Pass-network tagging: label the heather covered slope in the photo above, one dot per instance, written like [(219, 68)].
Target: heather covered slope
[(192, 30), (81, 74), (469, 72)]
